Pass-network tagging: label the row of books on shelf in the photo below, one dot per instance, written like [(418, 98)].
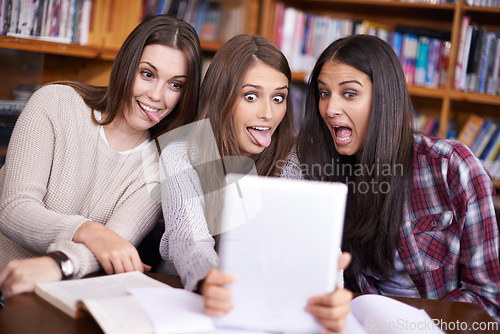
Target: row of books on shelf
[(302, 37), (429, 126), (478, 60), (430, 1), (212, 20), (483, 3), (482, 136), (62, 21)]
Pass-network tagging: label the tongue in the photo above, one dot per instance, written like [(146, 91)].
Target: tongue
[(343, 132), (153, 116), (261, 137)]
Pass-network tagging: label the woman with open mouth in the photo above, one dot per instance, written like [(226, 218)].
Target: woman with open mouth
[(420, 220), (244, 125)]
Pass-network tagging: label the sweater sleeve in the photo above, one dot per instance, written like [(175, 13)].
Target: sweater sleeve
[(291, 168), (134, 217), (187, 242), (132, 221), (27, 171)]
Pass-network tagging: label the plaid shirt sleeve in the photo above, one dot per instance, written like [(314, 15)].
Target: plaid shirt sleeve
[(450, 244), (449, 239)]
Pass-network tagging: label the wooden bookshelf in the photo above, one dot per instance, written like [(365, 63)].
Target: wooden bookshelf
[(110, 23), (448, 102)]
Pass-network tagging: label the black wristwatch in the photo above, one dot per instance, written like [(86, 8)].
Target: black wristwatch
[(65, 264)]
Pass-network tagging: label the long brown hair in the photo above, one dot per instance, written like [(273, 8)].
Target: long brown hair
[(112, 100), (373, 218), (219, 93)]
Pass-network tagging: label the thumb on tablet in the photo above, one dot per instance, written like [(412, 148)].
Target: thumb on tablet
[(214, 276)]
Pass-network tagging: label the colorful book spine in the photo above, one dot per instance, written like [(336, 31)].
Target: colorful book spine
[(479, 136), (484, 61), (490, 148), (494, 79), (433, 63), (470, 129), (461, 51), (421, 60)]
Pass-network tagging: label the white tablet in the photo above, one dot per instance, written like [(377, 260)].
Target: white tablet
[(282, 240)]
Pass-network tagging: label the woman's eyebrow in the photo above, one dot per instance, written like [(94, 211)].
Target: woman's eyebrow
[(173, 77), (343, 82), (260, 87)]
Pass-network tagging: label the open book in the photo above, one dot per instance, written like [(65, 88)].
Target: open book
[(106, 298), (381, 314)]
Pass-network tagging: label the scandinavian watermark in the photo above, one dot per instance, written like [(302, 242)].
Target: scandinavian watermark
[(346, 172)]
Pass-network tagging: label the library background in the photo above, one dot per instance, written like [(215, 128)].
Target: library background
[(449, 49)]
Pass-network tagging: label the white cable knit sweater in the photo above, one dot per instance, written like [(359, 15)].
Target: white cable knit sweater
[(60, 172), (187, 243)]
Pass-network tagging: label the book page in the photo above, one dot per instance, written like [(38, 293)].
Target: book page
[(119, 315), (352, 325), (173, 310), (66, 294), (381, 314), (178, 311)]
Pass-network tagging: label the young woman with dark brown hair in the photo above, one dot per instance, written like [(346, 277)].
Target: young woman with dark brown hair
[(79, 188), (420, 220), (245, 100)]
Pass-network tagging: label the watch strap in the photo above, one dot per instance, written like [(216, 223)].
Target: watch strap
[(61, 258)]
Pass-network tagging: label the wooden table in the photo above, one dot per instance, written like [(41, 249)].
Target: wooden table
[(455, 317), (29, 314)]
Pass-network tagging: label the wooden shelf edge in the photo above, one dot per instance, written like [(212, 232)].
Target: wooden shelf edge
[(392, 3), (75, 50), (481, 98), (481, 9), (206, 46), (211, 46), (437, 93), (300, 77), (40, 46)]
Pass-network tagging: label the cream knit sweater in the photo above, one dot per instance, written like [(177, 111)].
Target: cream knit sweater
[(60, 172)]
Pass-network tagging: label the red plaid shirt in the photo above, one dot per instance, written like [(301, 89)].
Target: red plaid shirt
[(449, 238)]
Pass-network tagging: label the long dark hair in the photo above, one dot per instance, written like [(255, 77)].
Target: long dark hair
[(165, 30), (219, 93), (373, 218)]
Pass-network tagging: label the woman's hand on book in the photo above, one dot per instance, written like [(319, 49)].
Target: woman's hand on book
[(215, 296), (115, 254), (19, 276)]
